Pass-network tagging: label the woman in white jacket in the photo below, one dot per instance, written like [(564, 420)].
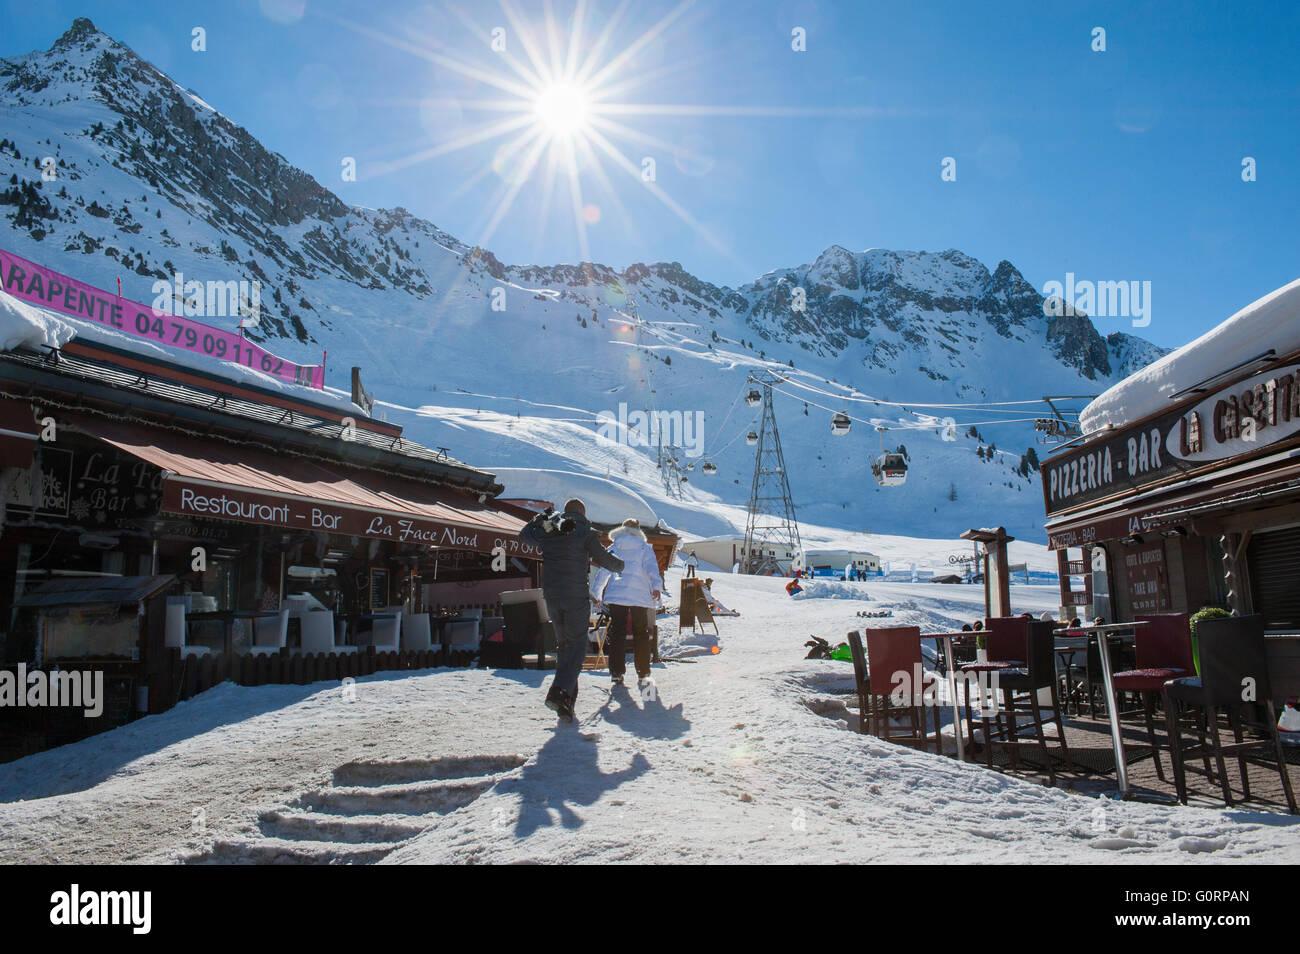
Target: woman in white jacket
[(630, 598)]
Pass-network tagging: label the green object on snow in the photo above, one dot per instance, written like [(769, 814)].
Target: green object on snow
[(842, 653)]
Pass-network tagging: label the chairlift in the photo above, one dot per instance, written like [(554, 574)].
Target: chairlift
[(709, 467), (753, 398), (751, 438), (840, 424)]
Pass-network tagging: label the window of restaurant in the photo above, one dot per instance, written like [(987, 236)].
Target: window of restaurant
[(1274, 560), (220, 587)]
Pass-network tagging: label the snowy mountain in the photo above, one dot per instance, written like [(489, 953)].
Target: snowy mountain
[(517, 366)]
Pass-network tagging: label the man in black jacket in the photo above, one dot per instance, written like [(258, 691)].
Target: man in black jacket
[(568, 544)]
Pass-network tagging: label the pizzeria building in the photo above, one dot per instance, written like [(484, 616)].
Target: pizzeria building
[(133, 480), (1184, 491)]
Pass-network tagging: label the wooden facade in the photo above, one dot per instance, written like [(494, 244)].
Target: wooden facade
[(93, 443), (1196, 505)]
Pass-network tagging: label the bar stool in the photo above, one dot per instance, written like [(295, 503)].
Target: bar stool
[(1039, 673), (1232, 657), (1005, 640), (1164, 652)]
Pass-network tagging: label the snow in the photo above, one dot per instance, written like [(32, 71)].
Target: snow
[(26, 326), (1271, 322), (606, 501), (743, 755)]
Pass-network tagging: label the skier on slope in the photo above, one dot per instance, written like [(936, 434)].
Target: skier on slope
[(568, 544), (692, 562), (630, 598)]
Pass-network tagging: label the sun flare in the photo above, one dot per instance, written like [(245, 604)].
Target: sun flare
[(561, 109)]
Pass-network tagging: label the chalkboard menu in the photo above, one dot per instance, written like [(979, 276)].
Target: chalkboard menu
[(378, 590), (1146, 578)]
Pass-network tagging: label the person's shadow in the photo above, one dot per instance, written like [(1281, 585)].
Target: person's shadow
[(565, 773), (652, 720)]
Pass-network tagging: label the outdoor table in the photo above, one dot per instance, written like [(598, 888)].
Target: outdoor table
[(947, 640), (1107, 632), (227, 619)]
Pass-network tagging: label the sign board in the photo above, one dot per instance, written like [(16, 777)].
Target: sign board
[(1253, 413), (187, 499), (95, 488), (1146, 578), (45, 288)]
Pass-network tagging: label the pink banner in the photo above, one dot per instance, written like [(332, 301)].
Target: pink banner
[(48, 289)]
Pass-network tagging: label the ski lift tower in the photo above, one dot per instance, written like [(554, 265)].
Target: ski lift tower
[(771, 528)]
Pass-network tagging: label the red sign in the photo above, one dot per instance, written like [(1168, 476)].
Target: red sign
[(300, 513)]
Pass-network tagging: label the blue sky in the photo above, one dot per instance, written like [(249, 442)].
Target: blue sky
[(1116, 165)]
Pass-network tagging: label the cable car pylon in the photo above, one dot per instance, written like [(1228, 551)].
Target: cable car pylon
[(771, 530)]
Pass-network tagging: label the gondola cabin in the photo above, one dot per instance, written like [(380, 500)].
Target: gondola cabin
[(890, 470)]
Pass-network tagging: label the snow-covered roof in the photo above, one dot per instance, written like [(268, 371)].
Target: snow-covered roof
[(1272, 322), (24, 325), (606, 501)]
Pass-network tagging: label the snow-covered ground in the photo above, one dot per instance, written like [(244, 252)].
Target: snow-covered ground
[(744, 755)]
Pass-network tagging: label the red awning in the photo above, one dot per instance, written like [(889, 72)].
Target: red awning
[(18, 433), (212, 479)]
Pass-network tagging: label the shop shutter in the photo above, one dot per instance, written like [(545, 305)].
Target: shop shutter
[(1274, 557)]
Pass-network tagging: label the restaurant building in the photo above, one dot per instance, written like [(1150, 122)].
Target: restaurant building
[(1185, 490), (127, 476)]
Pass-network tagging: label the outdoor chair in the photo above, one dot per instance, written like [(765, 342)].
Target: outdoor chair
[(464, 636), (529, 633), (1020, 687), (861, 679), (1164, 652), (416, 632), (386, 634), (175, 628), (891, 652), (318, 634), (1233, 665), (271, 634)]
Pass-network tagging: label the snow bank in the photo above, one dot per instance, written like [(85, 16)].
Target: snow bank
[(1271, 322), (831, 590), (22, 324), (607, 502)]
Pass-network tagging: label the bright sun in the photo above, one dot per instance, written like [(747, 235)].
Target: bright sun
[(561, 108)]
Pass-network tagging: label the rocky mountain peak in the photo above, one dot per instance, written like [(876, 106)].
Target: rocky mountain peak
[(82, 29)]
